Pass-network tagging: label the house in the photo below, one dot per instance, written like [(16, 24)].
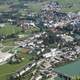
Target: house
[(42, 50), (52, 53), (76, 22), (26, 24), (12, 21), (72, 15), (40, 62), (22, 36), (67, 38), (40, 42), (61, 24), (39, 77), (46, 65), (47, 55), (22, 44), (38, 52)]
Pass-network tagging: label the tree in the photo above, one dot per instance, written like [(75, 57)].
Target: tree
[(76, 78)]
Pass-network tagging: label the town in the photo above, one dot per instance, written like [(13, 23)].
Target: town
[(34, 43)]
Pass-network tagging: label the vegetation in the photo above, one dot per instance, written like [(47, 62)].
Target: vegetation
[(8, 42), (76, 78), (6, 49), (4, 7), (8, 69), (9, 30)]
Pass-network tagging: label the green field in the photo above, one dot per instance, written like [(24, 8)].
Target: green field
[(74, 8), (9, 29), (6, 49), (3, 8), (8, 42)]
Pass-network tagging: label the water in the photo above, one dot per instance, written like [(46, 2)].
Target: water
[(72, 69)]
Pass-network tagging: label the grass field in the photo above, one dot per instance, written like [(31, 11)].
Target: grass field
[(3, 8), (75, 8), (9, 30), (6, 49), (8, 42)]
